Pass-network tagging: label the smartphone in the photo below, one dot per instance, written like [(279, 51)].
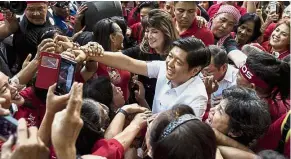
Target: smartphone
[(66, 76), (273, 7), (8, 127), (48, 69)]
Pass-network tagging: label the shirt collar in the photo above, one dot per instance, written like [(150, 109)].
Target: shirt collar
[(182, 87), (228, 75)]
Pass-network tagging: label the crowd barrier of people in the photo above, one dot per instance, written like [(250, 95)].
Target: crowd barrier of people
[(145, 79)]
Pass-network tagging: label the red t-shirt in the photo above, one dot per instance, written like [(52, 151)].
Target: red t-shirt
[(130, 18), (33, 115), (201, 33), (277, 109), (136, 32), (266, 45), (214, 9), (103, 70), (268, 31), (272, 137), (111, 149)]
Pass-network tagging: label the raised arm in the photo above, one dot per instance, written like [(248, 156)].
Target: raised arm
[(118, 60)]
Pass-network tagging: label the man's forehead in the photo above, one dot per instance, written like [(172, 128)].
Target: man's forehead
[(40, 4), (186, 5), (227, 16)]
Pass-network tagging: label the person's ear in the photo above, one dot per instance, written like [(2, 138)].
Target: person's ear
[(195, 70), (253, 86), (112, 38), (224, 67)]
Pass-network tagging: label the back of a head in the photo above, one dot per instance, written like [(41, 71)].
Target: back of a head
[(91, 130), (275, 72), (99, 89), (197, 53), (252, 48), (190, 139), (219, 55), (243, 106), (102, 31)]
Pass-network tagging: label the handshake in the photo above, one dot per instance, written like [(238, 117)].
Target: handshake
[(64, 46)]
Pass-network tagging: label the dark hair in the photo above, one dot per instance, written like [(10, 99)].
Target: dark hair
[(102, 31), (194, 2), (197, 53), (270, 154), (91, 130), (161, 20), (120, 21), (275, 72), (219, 56), (145, 4), (194, 137), (49, 32), (100, 90), (257, 27), (243, 106)]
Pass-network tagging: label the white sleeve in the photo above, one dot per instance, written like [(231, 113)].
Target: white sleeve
[(153, 68), (199, 106)]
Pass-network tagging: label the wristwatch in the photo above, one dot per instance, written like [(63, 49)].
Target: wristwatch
[(120, 110)]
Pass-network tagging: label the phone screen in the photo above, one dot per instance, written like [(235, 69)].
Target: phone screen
[(8, 126), (66, 76)]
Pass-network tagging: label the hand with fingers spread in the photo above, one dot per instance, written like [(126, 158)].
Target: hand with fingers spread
[(79, 17), (55, 103), (47, 45), (28, 144), (12, 21), (67, 124), (211, 85), (63, 43)]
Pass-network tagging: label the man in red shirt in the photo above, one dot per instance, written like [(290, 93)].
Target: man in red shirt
[(186, 22), (214, 9)]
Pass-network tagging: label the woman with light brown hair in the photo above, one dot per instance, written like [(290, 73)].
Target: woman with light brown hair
[(159, 33)]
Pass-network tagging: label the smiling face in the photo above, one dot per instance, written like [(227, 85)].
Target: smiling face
[(156, 38), (9, 92), (280, 37), (222, 25), (218, 119), (245, 32), (178, 71), (36, 13)]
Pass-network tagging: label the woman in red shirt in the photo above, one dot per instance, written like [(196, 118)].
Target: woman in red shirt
[(270, 78), (108, 34), (279, 43)]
